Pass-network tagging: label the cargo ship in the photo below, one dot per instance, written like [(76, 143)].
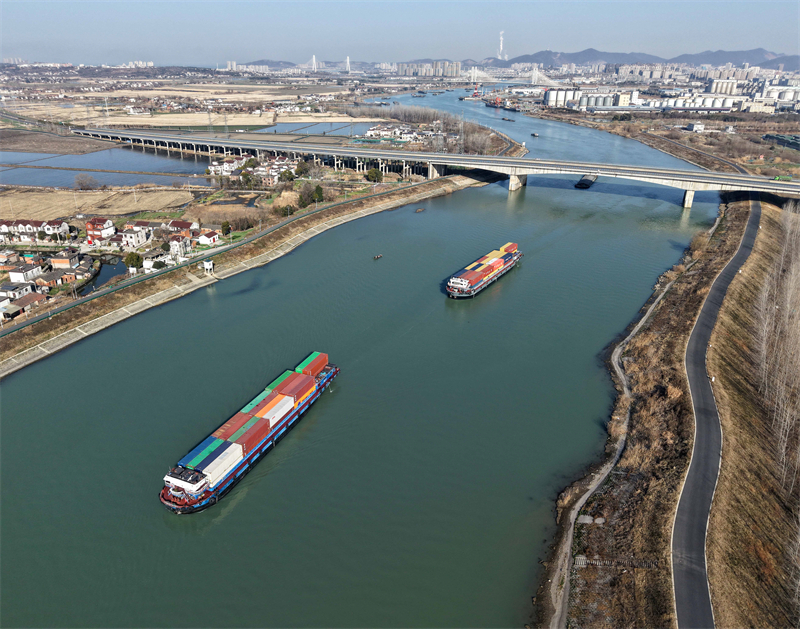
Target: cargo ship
[(472, 279), (212, 468)]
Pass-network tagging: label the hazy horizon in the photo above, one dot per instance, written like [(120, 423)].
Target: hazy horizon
[(210, 33)]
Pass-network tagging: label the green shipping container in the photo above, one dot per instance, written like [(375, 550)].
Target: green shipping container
[(306, 362), (217, 443), (256, 401), (271, 386), (244, 429)]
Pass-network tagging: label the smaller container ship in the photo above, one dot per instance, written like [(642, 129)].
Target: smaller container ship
[(211, 469), (472, 279)]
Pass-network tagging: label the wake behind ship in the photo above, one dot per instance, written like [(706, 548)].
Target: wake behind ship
[(221, 460), (472, 279)]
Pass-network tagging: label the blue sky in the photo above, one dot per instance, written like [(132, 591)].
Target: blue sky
[(207, 33)]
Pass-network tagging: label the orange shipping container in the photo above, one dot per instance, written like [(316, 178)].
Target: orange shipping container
[(265, 407), (316, 365), (510, 247)]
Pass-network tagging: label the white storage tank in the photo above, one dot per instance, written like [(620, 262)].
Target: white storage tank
[(608, 101), (717, 103), (569, 95), (592, 101), (727, 102), (550, 98), (560, 100), (671, 102), (708, 102), (679, 102), (583, 102)]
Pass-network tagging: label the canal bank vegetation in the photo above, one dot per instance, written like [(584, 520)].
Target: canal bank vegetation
[(627, 521), (753, 358)]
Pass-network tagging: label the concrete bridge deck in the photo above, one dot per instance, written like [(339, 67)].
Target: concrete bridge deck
[(435, 164)]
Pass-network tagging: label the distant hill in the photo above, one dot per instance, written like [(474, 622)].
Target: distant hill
[(590, 56), (757, 57), (279, 65), (791, 63)]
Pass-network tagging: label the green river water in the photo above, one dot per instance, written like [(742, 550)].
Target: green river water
[(418, 492)]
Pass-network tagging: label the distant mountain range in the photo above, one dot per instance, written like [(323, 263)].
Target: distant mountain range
[(590, 56)]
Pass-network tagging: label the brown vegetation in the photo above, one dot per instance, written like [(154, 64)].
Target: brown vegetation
[(751, 529), (39, 142), (639, 497), (47, 205)]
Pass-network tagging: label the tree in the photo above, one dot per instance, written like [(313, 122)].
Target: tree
[(374, 175), (158, 265), (86, 182), (302, 168), (318, 195), (165, 247), (133, 260), (40, 235), (286, 175), (226, 228)]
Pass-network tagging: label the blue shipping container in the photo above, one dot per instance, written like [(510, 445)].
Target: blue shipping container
[(211, 457), (202, 446)]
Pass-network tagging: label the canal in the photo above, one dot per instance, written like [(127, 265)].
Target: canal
[(419, 491)]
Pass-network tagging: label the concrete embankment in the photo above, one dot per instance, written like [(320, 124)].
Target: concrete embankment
[(226, 265)]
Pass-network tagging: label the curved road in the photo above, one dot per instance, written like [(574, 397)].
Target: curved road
[(689, 574)]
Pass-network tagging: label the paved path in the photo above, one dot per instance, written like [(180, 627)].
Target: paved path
[(689, 574)]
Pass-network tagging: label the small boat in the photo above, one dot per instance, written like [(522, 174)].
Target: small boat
[(419, 209), (508, 119), (534, 135), (378, 257)]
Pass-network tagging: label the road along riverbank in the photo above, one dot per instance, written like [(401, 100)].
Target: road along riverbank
[(614, 568), (51, 334)]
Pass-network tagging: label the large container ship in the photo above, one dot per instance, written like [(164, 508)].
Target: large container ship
[(472, 279), (211, 469)]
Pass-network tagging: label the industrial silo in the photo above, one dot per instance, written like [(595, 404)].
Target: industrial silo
[(583, 102), (569, 95), (671, 102), (592, 101), (708, 102), (727, 102), (550, 98), (560, 98), (718, 103), (608, 101), (679, 102)]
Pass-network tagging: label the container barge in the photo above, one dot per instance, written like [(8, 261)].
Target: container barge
[(211, 469), (472, 279)]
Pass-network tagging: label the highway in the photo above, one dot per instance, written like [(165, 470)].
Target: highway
[(513, 166), (689, 573)]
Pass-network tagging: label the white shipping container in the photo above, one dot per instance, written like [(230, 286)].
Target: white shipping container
[(223, 464), (280, 410)]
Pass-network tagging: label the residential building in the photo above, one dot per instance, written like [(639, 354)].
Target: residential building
[(179, 245), (133, 238), (51, 278), (15, 290), (67, 259), (24, 273), (99, 229), (210, 238)]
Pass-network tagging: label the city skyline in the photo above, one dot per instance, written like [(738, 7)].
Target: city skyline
[(213, 32)]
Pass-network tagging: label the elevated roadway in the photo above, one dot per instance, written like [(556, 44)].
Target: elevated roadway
[(518, 169)]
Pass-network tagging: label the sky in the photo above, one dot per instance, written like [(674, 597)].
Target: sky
[(201, 33)]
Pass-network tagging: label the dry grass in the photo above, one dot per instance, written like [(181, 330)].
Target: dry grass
[(751, 525), (639, 498), (52, 204), (40, 142)]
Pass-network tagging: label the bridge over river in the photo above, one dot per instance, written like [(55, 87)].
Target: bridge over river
[(435, 165)]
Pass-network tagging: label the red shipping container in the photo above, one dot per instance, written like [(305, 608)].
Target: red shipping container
[(473, 277), (290, 380), (254, 436), (316, 365), (497, 264), (510, 247), (299, 387), (227, 429)]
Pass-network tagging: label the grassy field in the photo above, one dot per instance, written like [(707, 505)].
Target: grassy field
[(751, 526), (53, 204)]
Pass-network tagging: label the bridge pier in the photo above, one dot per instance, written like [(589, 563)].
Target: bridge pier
[(434, 170), (688, 197), (406, 173), (515, 182)]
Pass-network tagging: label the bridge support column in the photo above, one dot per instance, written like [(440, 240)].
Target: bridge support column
[(382, 166), (406, 173), (688, 197), (434, 171), (359, 166), (515, 182)]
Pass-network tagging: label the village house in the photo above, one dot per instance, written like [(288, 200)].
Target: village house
[(15, 290), (67, 259), (24, 273), (23, 305), (132, 238), (99, 229), (179, 245), (9, 260), (209, 239), (50, 279)]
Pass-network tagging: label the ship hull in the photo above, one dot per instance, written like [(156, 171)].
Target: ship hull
[(210, 498)]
